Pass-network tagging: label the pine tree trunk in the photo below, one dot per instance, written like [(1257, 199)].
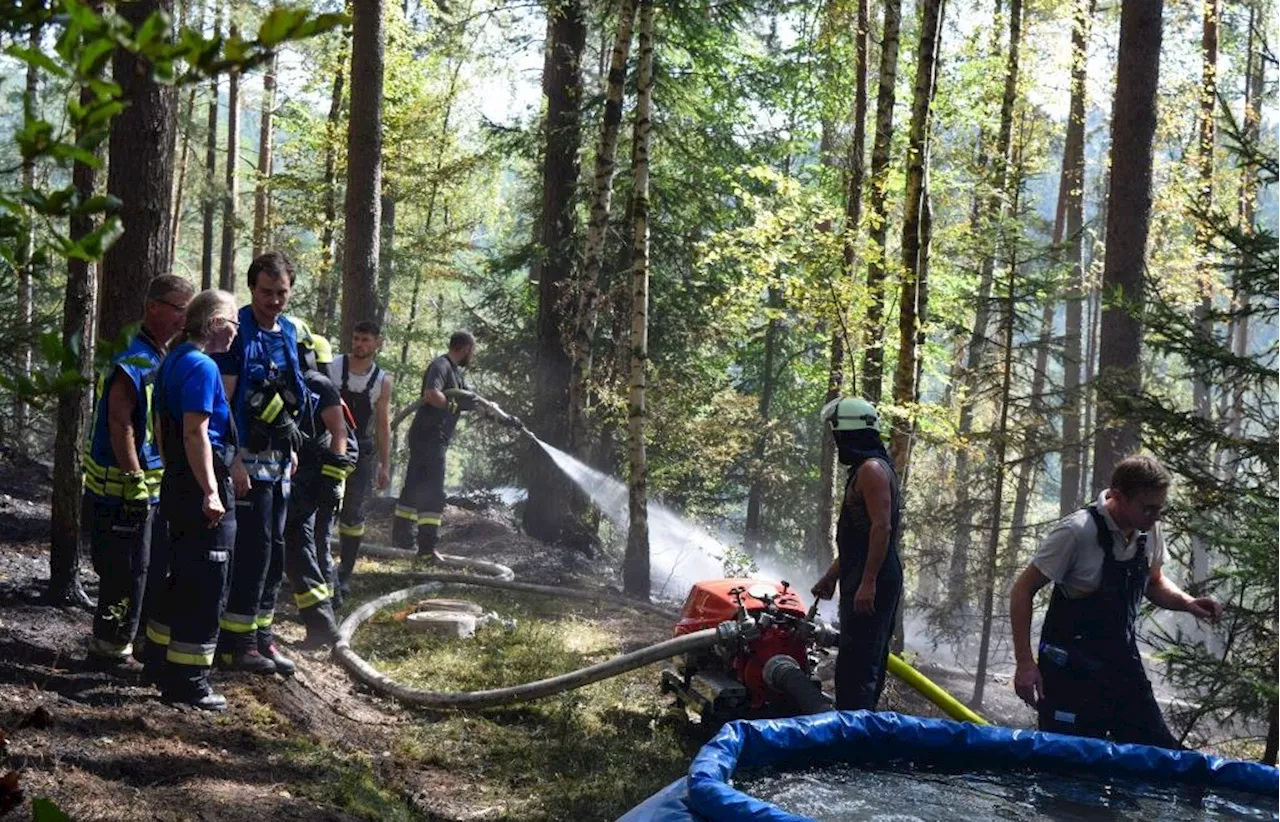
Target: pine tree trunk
[(227, 264), (752, 537), (1248, 201), (326, 286), (364, 167), (210, 170), (827, 492), (1128, 221), (26, 290), (588, 307), (140, 175), (873, 331), (262, 190), (914, 309), (387, 263), (73, 405), (547, 512), (1073, 181), (992, 219), (180, 188), (635, 569)]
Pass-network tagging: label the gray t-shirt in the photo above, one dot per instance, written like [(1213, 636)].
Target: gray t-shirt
[(1071, 556)]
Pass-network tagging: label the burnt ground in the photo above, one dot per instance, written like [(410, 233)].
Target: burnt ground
[(314, 747)]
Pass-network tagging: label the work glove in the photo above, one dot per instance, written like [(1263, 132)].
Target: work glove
[(334, 469), (135, 501), (460, 399), (270, 421)]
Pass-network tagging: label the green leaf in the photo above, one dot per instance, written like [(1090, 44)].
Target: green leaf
[(93, 58), (37, 59)]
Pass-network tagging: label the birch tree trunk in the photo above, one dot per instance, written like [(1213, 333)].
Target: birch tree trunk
[(364, 167), (262, 189), (635, 569), (227, 264)]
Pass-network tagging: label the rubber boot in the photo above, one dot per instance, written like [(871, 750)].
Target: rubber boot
[(250, 660), (267, 648), (322, 629), (208, 701), (402, 533)]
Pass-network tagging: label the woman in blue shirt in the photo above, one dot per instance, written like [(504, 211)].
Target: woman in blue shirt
[(198, 441)]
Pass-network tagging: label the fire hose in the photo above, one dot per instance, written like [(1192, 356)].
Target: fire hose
[(502, 577)]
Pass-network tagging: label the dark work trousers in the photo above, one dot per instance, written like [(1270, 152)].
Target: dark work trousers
[(355, 502), (120, 544), (324, 550), (185, 617), (158, 570), (258, 567), (864, 639), (422, 498), (301, 551)]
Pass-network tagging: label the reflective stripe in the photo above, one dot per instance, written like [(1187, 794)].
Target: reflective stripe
[(309, 599), (333, 472), (113, 483), (273, 408), (429, 519), (105, 647), (238, 623), (265, 620), (352, 530), (404, 512), (157, 633), (190, 653)]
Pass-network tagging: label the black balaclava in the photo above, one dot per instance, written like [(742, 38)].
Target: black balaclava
[(856, 447)]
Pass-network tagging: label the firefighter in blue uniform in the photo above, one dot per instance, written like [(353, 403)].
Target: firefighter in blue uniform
[(261, 375), (867, 566), (328, 457), (1103, 559), (199, 441), (122, 471), (366, 389)]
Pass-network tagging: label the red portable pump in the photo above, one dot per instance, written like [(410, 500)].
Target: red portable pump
[(762, 662)]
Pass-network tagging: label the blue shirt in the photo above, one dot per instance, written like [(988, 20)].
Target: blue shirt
[(103, 478), (190, 384)]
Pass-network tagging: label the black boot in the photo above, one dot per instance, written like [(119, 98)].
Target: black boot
[(180, 685), (250, 660), (267, 648), (402, 532), (322, 629)]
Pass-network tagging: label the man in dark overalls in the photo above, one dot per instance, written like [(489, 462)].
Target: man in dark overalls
[(1103, 559), (867, 566), (445, 396), (366, 389)]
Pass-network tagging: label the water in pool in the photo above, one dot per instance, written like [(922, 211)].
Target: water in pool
[(906, 793)]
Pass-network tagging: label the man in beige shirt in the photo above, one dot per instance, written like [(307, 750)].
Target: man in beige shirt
[(1089, 680)]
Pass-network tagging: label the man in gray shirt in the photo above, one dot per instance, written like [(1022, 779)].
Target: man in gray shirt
[(1089, 680)]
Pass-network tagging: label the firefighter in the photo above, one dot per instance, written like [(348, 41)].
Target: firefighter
[(366, 389), (268, 398), (1102, 560), (199, 441), (328, 457), (445, 396), (122, 471), (867, 566)]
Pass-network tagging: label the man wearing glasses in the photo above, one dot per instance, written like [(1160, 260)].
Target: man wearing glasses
[(122, 470), (1103, 559)]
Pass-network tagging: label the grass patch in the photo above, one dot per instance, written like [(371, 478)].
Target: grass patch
[(587, 754)]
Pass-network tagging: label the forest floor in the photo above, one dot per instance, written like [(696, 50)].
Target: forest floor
[(318, 747)]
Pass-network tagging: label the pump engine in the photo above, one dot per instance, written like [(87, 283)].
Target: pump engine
[(765, 652)]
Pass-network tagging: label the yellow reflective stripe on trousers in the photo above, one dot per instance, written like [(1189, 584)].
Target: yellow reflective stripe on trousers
[(333, 472), (312, 598), (157, 633), (190, 653), (431, 518), (405, 512), (352, 530), (265, 620), (238, 623)]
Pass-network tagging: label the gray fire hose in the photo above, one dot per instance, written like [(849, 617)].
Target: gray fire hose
[(500, 577)]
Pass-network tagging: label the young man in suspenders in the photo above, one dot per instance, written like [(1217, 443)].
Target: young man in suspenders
[(366, 388)]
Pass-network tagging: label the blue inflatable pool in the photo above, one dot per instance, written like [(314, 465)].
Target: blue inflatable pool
[(875, 740)]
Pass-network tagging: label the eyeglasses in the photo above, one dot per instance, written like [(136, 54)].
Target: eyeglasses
[(231, 322), (181, 309)]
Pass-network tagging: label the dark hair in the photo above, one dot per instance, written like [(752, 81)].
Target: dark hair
[(275, 264), (367, 327), (460, 339), (1138, 473), (166, 284)]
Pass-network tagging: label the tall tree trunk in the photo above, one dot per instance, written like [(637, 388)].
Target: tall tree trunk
[(364, 167), (547, 512), (73, 404), (915, 308), (26, 290), (635, 569), (227, 265), (140, 176), (992, 219), (387, 263), (839, 338), (588, 308), (327, 284), (996, 515), (180, 187), (1073, 181), (1248, 202), (262, 189), (1133, 121), (873, 331), (1201, 394), (210, 170), (752, 538), (1033, 434)]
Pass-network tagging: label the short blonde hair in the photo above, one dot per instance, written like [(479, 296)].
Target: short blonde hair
[(202, 309)]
